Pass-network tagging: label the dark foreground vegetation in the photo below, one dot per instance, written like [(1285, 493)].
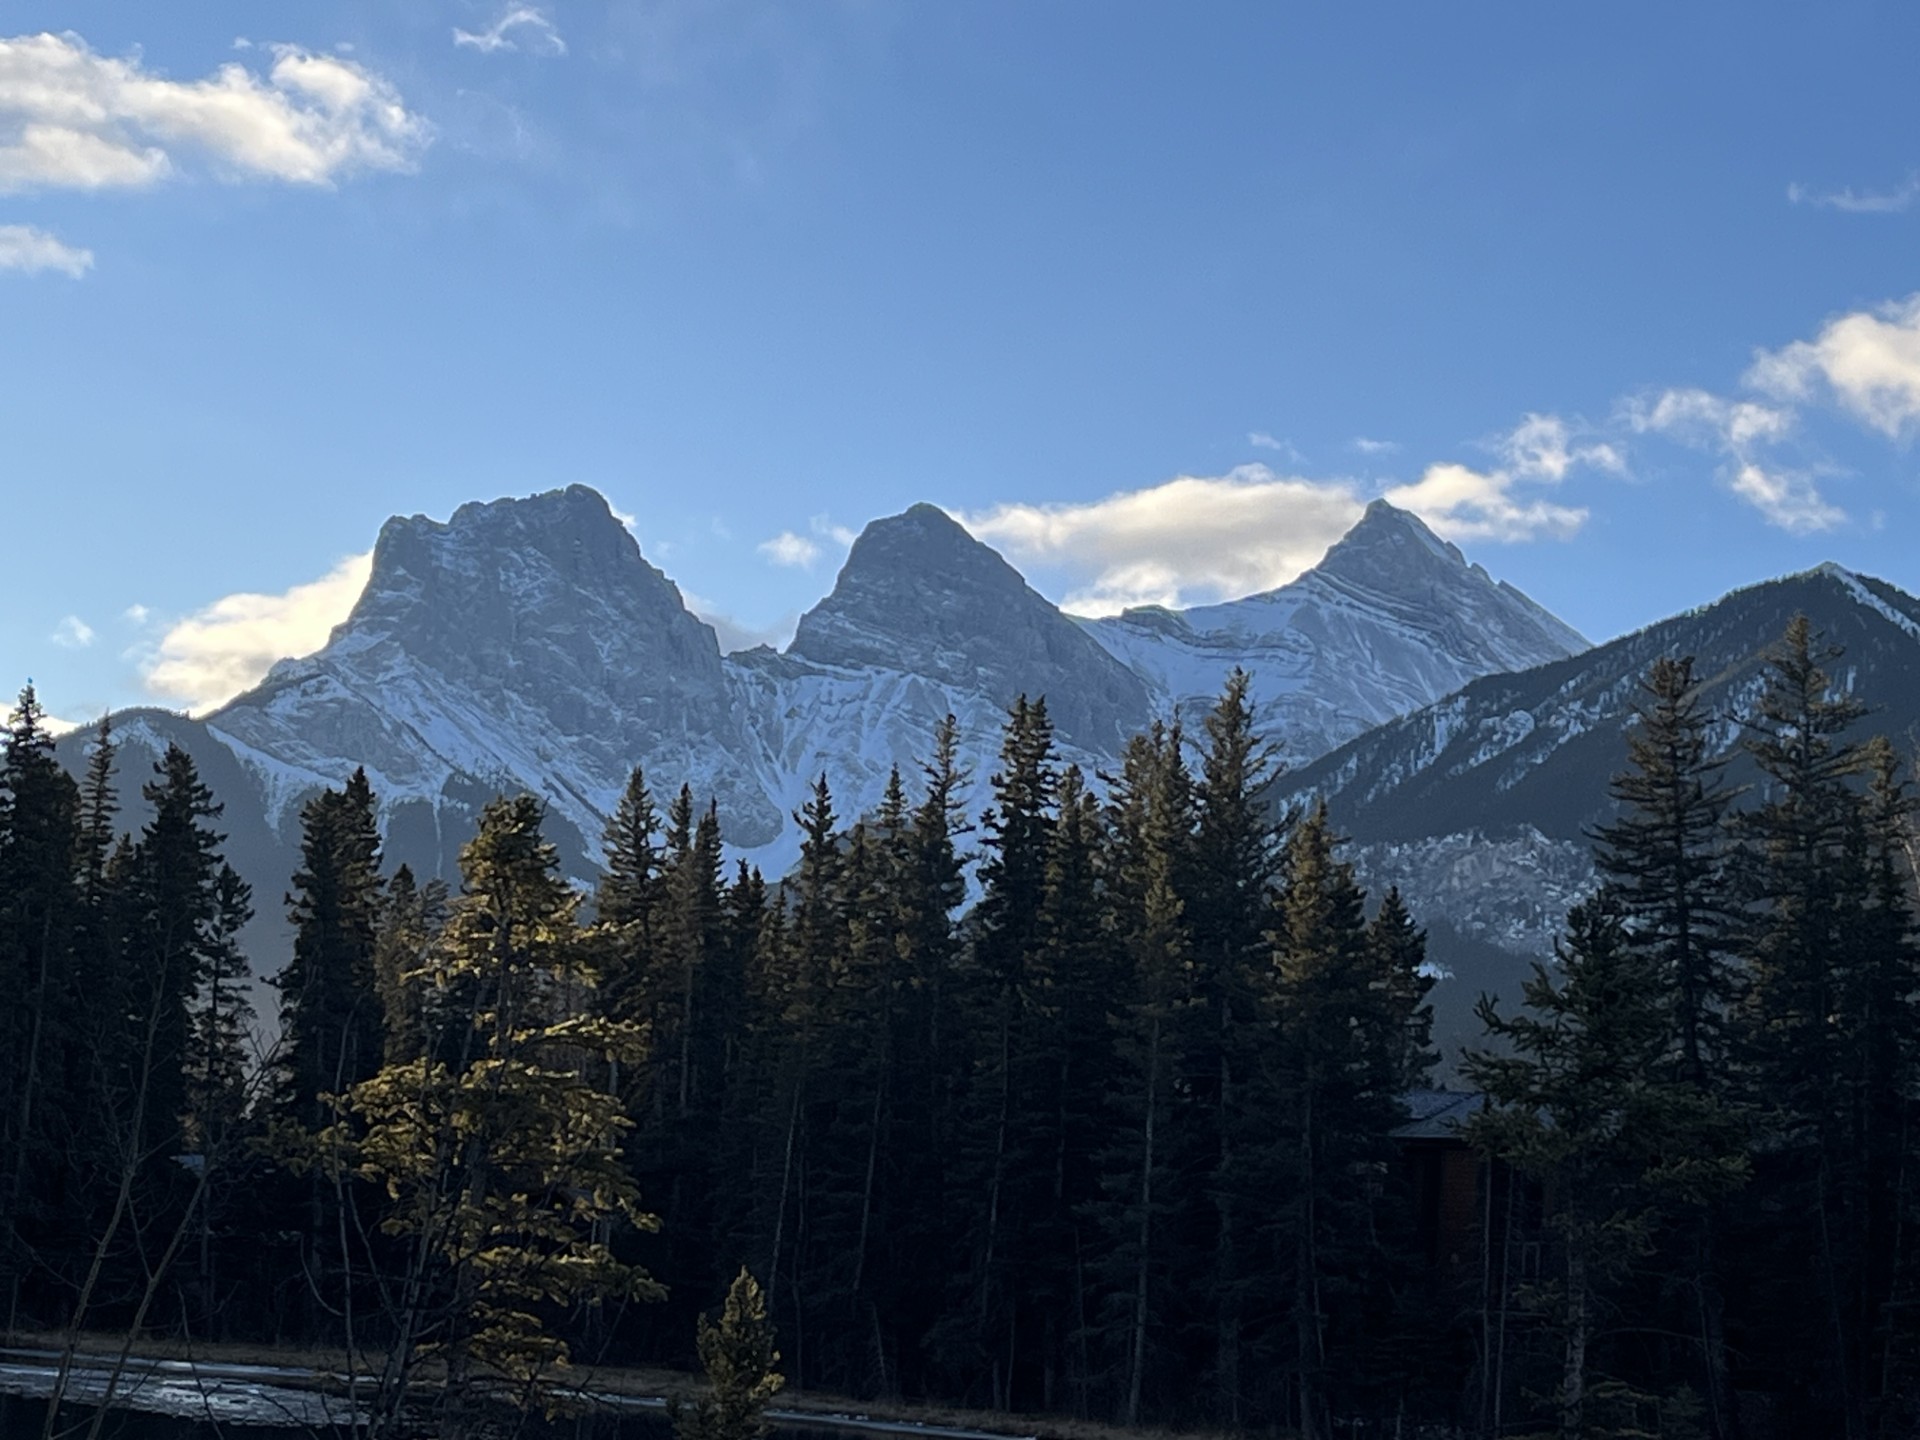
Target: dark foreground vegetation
[(1117, 1140)]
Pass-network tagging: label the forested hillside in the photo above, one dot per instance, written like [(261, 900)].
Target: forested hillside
[(1127, 1137)]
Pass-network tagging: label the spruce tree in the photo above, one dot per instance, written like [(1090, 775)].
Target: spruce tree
[(1666, 860), (502, 1159), (1580, 1100), (330, 1012), (737, 1356), (1344, 1014), (42, 1022), (1150, 821)]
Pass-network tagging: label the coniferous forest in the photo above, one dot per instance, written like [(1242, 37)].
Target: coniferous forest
[(1102, 1104)]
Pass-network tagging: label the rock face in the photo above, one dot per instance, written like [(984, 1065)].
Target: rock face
[(1391, 619), (526, 645), (920, 596), (1479, 806), (522, 645)]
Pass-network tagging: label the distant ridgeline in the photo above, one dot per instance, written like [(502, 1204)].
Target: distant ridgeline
[(1128, 1137), (527, 646)]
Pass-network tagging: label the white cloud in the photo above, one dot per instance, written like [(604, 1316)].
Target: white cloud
[(1375, 447), (72, 633), (1261, 440), (1742, 431), (137, 614), (789, 549), (1788, 499), (1465, 504), (735, 634), (1543, 447), (1500, 503), (214, 654), (1860, 202), (72, 119), (1190, 540), (802, 552), (24, 248), (1867, 362), (538, 31)]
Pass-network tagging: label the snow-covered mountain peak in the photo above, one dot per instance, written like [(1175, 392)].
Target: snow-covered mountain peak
[(1388, 542), (920, 596)]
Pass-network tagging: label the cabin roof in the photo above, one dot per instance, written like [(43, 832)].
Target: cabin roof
[(1438, 1114)]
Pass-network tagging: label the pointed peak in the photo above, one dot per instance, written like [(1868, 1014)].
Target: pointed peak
[(1384, 522)]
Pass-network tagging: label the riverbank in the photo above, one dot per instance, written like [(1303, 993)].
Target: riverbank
[(327, 1372)]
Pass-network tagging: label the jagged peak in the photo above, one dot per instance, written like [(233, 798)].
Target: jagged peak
[(1383, 526)]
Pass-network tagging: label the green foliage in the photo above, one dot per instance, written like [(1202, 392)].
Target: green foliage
[(499, 1158), (737, 1355)]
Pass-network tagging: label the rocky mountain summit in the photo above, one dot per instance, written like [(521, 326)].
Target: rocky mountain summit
[(526, 644), (1481, 805), (1392, 618)]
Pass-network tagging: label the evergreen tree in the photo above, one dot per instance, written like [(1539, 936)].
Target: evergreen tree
[(1804, 886), (1150, 822), (1235, 866), (42, 1023), (737, 1355), (1666, 861), (1004, 967), (330, 1012), (1582, 1102), (168, 893), (1348, 1030), (502, 1160), (218, 1089)]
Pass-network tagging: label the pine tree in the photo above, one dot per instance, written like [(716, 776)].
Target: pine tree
[(42, 1022), (217, 1085), (330, 1012), (502, 1160), (1347, 1033), (1150, 820), (737, 1355), (1582, 1102), (169, 911), (1805, 890), (1235, 866), (1005, 962), (1666, 860)]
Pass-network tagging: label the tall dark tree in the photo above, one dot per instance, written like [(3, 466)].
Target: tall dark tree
[(42, 1023), (1581, 1100), (1667, 862), (1348, 1031), (1006, 958), (1150, 820), (1235, 865), (330, 1013)]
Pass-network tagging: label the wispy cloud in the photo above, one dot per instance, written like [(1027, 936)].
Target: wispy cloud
[(1367, 446), (74, 119), (802, 552), (790, 549), (533, 27), (735, 634), (29, 251), (72, 633), (1261, 440), (211, 656), (1866, 362), (1197, 539), (1744, 432), (1190, 540), (1860, 202)]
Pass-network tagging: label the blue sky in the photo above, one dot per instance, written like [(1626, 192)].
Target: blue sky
[(1153, 296)]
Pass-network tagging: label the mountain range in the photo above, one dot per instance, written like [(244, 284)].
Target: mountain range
[(1461, 734)]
